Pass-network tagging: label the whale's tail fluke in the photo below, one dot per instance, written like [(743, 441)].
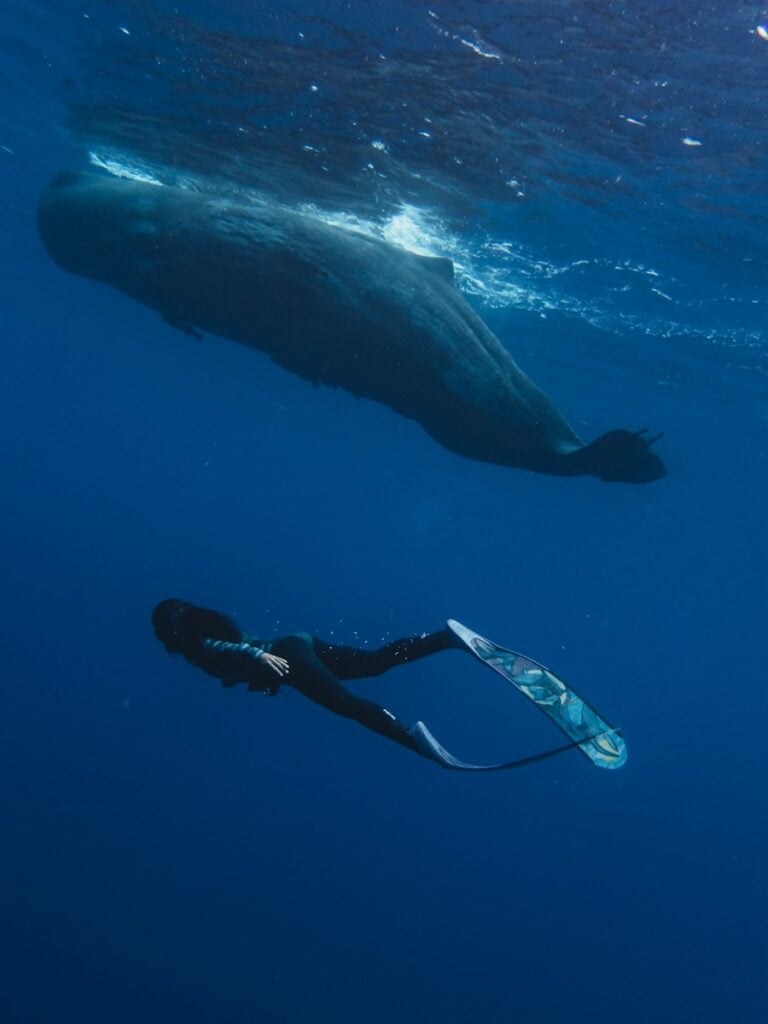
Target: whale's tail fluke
[(620, 455)]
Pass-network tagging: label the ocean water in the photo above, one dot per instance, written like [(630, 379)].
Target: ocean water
[(173, 852)]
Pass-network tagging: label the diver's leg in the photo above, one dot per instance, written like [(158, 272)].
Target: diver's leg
[(358, 663), (312, 678)]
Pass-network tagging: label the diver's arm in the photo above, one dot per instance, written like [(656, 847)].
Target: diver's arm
[(227, 647), (241, 662)]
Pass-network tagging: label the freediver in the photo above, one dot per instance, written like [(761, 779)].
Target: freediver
[(213, 642)]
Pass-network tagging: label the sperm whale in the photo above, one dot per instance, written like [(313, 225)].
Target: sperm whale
[(334, 306)]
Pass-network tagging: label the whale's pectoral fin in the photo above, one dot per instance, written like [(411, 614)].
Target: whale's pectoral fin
[(175, 321), (623, 455)]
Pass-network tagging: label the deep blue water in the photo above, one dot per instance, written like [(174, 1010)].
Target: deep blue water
[(172, 852)]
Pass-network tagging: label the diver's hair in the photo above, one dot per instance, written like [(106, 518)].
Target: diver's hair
[(181, 626)]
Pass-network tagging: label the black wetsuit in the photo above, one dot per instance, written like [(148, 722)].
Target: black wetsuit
[(316, 668)]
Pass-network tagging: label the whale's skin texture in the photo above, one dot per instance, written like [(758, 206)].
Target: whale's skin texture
[(334, 306)]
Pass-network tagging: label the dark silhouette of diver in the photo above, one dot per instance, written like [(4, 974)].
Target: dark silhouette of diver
[(211, 641)]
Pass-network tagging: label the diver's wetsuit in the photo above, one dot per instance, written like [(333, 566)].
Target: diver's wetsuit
[(316, 668)]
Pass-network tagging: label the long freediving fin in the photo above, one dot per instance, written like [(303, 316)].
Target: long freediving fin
[(433, 750), (589, 731)]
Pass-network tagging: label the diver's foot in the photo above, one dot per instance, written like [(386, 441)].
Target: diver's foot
[(458, 635), (424, 743)]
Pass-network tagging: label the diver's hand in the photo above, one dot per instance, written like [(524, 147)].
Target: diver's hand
[(277, 665)]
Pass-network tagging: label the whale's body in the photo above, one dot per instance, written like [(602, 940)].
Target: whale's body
[(335, 306)]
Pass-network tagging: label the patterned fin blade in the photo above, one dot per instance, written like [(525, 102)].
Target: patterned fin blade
[(596, 738)]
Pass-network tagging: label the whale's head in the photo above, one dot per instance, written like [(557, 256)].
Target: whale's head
[(98, 225)]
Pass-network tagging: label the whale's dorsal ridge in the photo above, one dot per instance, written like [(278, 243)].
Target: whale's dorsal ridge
[(439, 265)]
